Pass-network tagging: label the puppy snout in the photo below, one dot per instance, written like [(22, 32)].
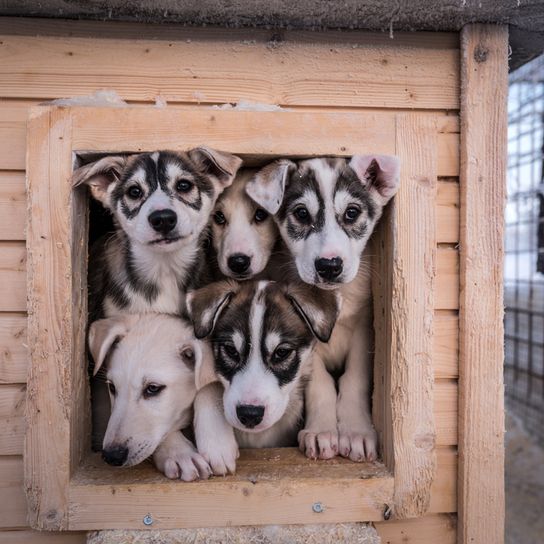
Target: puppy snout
[(329, 269), (163, 221), (115, 456), (239, 263), (250, 415)]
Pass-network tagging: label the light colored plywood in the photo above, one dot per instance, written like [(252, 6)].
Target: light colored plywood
[(444, 487), (12, 432), (12, 400), (14, 350), (447, 213), (37, 537), (446, 412), (433, 529), (483, 176), (12, 206), (447, 279), (13, 115), (288, 73), (12, 277), (446, 345), (448, 155), (12, 496)]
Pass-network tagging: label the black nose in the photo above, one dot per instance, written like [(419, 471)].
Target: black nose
[(115, 456), (329, 269), (239, 263), (249, 415), (163, 221)]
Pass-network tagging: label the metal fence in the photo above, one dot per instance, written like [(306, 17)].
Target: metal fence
[(524, 263)]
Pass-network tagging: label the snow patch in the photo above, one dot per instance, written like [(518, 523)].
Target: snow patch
[(102, 98)]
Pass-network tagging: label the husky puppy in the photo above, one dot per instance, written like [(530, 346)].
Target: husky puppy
[(243, 233), (262, 335), (326, 210), (154, 365), (161, 203)]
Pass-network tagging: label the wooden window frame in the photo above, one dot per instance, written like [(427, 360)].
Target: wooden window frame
[(69, 488)]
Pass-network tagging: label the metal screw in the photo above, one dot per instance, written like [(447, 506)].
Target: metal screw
[(317, 507), (387, 512), (148, 520)]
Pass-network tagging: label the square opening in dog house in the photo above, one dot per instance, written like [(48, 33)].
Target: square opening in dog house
[(69, 486)]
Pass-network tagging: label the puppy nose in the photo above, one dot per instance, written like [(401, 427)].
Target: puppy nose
[(115, 456), (329, 269), (163, 221), (250, 415), (239, 263)]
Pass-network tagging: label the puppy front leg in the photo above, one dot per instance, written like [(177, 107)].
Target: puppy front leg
[(214, 436), (356, 434), (319, 438), (177, 458)]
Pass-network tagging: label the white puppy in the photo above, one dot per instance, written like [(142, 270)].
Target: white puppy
[(154, 367)]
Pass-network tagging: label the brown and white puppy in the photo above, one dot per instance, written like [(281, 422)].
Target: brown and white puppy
[(154, 365), (326, 210), (243, 233), (262, 335)]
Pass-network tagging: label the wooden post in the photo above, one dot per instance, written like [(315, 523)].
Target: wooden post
[(484, 86)]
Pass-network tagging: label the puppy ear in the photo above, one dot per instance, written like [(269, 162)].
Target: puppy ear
[(217, 164), (104, 333), (204, 365), (268, 186), (378, 172), (99, 176), (205, 305), (319, 309)]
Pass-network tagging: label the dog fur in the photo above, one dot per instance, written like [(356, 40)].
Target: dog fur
[(326, 210), (154, 365), (262, 335)]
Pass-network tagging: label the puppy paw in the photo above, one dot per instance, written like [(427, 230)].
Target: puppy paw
[(180, 462), (221, 454), (358, 445), (318, 445)]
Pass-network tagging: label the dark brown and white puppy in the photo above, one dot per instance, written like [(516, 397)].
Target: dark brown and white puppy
[(161, 203), (262, 335), (326, 210), (243, 233)]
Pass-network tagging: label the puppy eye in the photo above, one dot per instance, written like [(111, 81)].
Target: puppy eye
[(152, 390), (260, 215), (184, 185), (280, 354), (134, 192), (188, 355), (231, 351), (351, 214), (219, 218), (111, 388), (302, 214)]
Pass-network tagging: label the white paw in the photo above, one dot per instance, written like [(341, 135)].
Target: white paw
[(180, 462), (358, 445), (221, 454), (318, 445)]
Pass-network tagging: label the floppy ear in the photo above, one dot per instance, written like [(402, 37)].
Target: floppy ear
[(378, 172), (268, 186), (219, 165), (99, 176), (318, 308), (205, 305), (204, 364), (104, 333)]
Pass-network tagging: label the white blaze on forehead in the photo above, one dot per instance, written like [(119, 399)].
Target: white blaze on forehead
[(155, 156), (139, 175), (238, 341), (310, 200), (158, 200), (341, 200), (173, 171), (272, 341)]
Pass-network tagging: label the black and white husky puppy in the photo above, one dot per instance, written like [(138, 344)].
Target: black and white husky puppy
[(326, 210), (262, 335), (161, 203)]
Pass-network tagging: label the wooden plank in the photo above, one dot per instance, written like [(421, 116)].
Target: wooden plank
[(12, 400), (51, 310), (413, 279), (212, 71), (433, 529), (14, 351), (12, 277), (446, 345), (447, 279), (12, 496), (13, 115), (448, 155), (12, 206), (447, 213), (446, 412), (38, 537), (444, 487), (12, 433), (483, 175)]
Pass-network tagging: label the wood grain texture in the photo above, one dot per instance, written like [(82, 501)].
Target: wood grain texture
[(446, 345), (12, 433), (13, 513), (38, 537), (447, 213), (12, 400), (447, 279), (12, 206), (432, 529), (287, 73), (483, 174), (12, 277), (446, 395), (14, 348)]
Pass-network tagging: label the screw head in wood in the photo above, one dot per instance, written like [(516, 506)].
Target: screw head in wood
[(148, 520), (317, 507)]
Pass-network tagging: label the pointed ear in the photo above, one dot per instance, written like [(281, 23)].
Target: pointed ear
[(199, 356), (100, 176), (221, 166), (319, 309), (378, 172), (205, 305), (104, 333), (268, 186)]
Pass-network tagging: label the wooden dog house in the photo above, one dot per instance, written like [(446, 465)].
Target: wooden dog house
[(437, 100)]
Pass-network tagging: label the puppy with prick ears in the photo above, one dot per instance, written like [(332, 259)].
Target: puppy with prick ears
[(262, 335), (154, 366), (326, 210)]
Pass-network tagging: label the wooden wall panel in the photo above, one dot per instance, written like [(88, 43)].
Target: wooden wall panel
[(432, 529), (37, 537), (13, 348), (12, 205), (12, 496), (12, 277)]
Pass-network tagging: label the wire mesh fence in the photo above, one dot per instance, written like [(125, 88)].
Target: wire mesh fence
[(524, 245)]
